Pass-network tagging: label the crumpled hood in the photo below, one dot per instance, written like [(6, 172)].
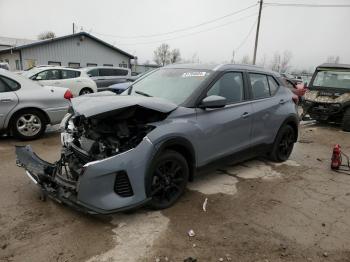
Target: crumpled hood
[(92, 105)]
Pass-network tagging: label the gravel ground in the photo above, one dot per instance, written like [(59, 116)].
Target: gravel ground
[(255, 211)]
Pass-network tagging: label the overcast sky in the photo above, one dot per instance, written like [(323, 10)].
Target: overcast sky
[(311, 34)]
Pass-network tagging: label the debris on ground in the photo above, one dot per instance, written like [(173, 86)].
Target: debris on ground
[(325, 254), (190, 259), (221, 259), (305, 141), (319, 159), (205, 204), (323, 224), (191, 233)]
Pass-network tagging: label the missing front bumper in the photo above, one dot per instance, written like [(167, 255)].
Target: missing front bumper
[(93, 191)]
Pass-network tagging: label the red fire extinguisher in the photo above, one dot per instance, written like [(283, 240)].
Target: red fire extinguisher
[(336, 157)]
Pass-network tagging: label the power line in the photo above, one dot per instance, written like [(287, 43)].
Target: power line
[(181, 29), (191, 34), (247, 36), (305, 5)]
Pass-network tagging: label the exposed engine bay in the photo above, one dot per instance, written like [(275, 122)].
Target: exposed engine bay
[(105, 135)]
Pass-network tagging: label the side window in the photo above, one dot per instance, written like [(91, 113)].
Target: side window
[(13, 85), (53, 74), (260, 86), (230, 86), (105, 72), (67, 74), (273, 85), (93, 72), (120, 72), (3, 86)]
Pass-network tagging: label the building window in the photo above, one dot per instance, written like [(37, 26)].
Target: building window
[(123, 64), (54, 63), (107, 64), (18, 65), (90, 64), (74, 65)]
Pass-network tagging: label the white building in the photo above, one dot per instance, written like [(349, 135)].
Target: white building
[(76, 50)]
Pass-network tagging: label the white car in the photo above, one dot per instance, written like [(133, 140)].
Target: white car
[(76, 80), (105, 76)]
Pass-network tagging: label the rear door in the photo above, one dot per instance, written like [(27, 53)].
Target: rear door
[(266, 103), (8, 98), (225, 130)]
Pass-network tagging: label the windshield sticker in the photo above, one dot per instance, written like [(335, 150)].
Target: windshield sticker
[(194, 74)]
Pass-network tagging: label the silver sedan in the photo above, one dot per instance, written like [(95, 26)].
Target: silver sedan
[(26, 108)]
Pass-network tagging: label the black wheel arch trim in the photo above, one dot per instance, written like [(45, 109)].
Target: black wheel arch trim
[(293, 121), (178, 144)]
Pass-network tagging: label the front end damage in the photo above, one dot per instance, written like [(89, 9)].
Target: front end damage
[(103, 161)]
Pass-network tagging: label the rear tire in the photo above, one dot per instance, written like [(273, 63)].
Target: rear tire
[(283, 145), (85, 91), (28, 124), (167, 179), (346, 120)]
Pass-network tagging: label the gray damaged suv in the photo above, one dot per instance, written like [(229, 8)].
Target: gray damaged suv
[(142, 147)]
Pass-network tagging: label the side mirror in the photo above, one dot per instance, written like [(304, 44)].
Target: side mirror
[(89, 75), (213, 102)]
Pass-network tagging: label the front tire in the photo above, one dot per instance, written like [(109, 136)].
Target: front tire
[(28, 124), (85, 91), (283, 145), (346, 120), (167, 179)]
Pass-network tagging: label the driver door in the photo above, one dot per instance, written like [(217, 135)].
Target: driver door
[(225, 130)]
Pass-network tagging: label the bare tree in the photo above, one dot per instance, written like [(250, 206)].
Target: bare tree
[(287, 56), (333, 59), (162, 55), (175, 56), (276, 62), (46, 35), (262, 62), (246, 60), (280, 63)]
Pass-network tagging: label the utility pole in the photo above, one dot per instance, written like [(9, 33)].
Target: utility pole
[(73, 28), (257, 32)]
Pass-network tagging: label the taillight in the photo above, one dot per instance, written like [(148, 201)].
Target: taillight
[(295, 99), (68, 95)]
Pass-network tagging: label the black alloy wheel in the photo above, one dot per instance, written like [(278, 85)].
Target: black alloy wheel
[(167, 180), (284, 144)]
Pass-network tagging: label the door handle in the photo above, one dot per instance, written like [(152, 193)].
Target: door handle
[(245, 115), (6, 100), (56, 83), (282, 101)]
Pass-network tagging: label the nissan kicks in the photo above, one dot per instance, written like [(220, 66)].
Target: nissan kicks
[(143, 146)]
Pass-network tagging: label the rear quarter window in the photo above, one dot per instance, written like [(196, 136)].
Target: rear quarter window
[(67, 74), (11, 84)]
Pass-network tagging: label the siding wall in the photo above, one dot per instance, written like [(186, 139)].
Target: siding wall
[(76, 50)]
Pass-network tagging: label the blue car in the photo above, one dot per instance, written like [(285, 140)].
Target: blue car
[(120, 87), (143, 146)]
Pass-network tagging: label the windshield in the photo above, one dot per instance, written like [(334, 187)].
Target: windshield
[(175, 85), (332, 78)]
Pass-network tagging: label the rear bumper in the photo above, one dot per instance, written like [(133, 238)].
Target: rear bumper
[(96, 190)]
